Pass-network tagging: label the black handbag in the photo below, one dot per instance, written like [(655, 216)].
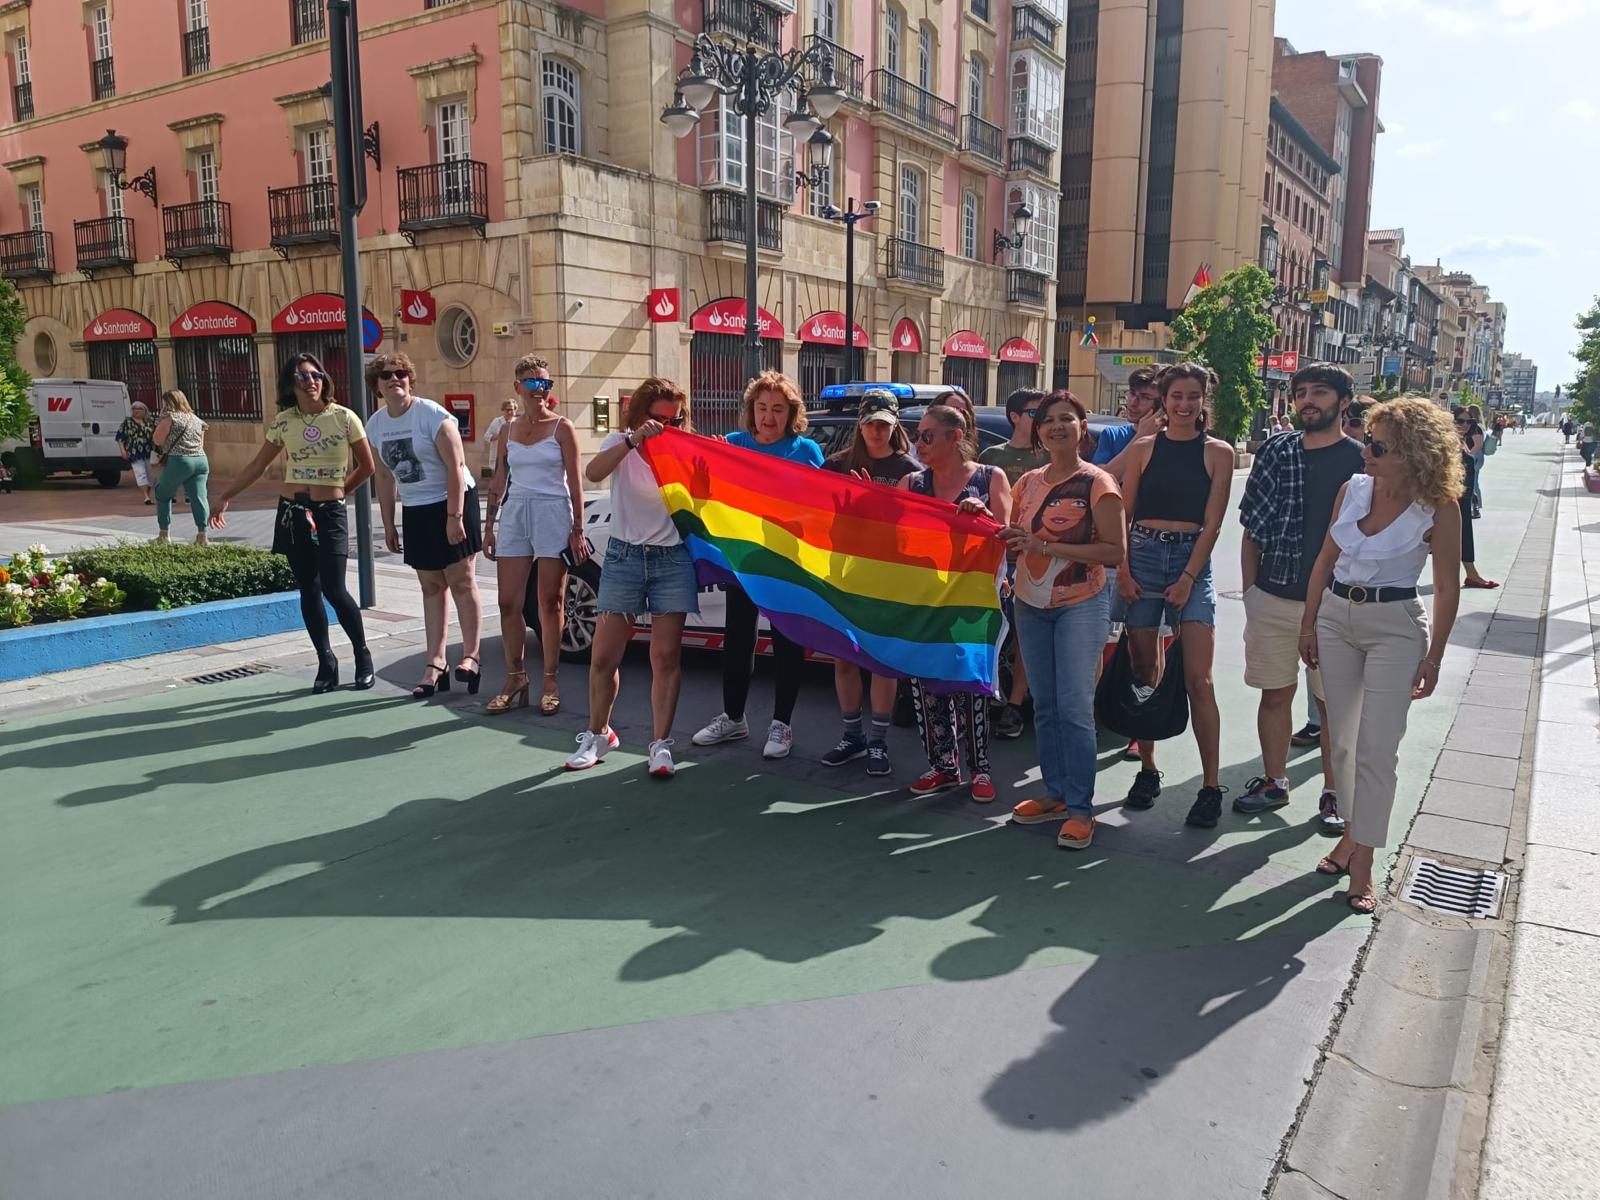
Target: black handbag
[(1137, 711)]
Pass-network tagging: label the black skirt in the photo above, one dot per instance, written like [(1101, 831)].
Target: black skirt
[(307, 531), (422, 534)]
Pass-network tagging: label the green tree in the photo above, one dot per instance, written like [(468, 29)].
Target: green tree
[(1387, 388), (1226, 327), (15, 411), (1584, 391)]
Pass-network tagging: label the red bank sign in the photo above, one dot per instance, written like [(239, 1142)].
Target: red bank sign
[(966, 344), (663, 305), (313, 314), (212, 318), (119, 325), (827, 329), (1288, 361), (727, 316), (417, 308), (907, 338), (1019, 350)]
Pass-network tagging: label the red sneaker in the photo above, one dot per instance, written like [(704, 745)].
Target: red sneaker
[(935, 781), (983, 789)]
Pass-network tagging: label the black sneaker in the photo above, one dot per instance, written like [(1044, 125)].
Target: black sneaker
[(1146, 787), (1306, 735), (1207, 808), (1260, 795), (1008, 722), (878, 759), (848, 750)]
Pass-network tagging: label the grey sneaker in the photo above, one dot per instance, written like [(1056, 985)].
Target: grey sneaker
[(878, 759), (723, 729), (1260, 795), (780, 739)]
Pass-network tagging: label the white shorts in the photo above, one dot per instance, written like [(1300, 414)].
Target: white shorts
[(533, 526), (141, 471)]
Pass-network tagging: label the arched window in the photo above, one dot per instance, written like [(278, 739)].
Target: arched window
[(977, 86), (912, 190), (970, 223), (563, 120), (893, 33), (927, 56)]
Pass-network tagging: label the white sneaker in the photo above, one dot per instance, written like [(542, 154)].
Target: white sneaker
[(723, 729), (779, 740), (592, 747), (661, 759)]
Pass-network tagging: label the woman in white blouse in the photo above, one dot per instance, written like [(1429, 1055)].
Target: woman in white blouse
[(1364, 625)]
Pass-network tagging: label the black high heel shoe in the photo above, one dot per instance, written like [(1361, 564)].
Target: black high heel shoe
[(441, 682), (470, 678), (365, 675), (327, 677)]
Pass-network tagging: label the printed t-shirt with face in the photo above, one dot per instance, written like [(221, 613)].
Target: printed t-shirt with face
[(890, 469), (317, 448), (1015, 461), (1061, 512), (408, 446), (638, 514)]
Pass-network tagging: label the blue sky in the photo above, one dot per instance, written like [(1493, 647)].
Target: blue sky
[(1491, 158)]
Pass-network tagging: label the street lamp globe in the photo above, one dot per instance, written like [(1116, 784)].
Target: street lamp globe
[(819, 151), (801, 123), (679, 118), (698, 88), (116, 151), (827, 97), (1021, 218)]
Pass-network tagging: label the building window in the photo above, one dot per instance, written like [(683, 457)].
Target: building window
[(925, 59), (1036, 98), (893, 29), (971, 375), (206, 186), (452, 131), (458, 336), (911, 192), (825, 19), (307, 20), (32, 199), (977, 86), (562, 110), (721, 135), (971, 222), (980, 9), (135, 363), (316, 147), (1038, 250), (100, 21), (220, 375), (44, 357)]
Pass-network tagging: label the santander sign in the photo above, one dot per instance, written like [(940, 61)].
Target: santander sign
[(827, 329), (313, 313), (119, 325), (728, 316), (212, 318)]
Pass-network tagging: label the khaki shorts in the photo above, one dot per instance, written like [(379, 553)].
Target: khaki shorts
[(1272, 642)]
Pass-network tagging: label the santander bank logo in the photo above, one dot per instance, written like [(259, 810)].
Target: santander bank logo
[(417, 310), (905, 337), (664, 307)]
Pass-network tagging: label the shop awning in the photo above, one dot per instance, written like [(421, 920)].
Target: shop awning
[(907, 338), (965, 344), (1019, 350), (826, 328), (727, 316), (120, 325), (212, 318), (314, 313)]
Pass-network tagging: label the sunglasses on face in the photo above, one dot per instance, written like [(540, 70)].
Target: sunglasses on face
[(1378, 448), (398, 373), (926, 437), (1030, 413), (309, 376), (537, 385), (675, 422)]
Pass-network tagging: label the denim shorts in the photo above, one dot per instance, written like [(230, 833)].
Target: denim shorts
[(647, 579), (1157, 565)]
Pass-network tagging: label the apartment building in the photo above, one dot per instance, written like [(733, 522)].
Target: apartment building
[(1296, 218), (1521, 381), (524, 197), (1478, 345), (1161, 171)]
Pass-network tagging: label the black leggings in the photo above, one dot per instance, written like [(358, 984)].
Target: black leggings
[(739, 660), (318, 560)]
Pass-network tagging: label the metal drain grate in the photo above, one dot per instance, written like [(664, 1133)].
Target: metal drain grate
[(230, 674), (1460, 891)]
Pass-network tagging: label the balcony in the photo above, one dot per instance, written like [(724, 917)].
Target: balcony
[(30, 254), (915, 106), (914, 263), (107, 242), (197, 51), (1025, 287), (442, 196), (1029, 23), (199, 230), (744, 21), (104, 76), (725, 220), (22, 101), (303, 215), (848, 69), (308, 20), (983, 141), (1028, 155)]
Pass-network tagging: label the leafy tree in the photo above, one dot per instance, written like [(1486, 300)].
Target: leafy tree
[(1584, 391), (15, 412), (1226, 327), (1387, 388)]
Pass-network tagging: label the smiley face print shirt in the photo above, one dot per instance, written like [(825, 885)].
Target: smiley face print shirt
[(317, 449)]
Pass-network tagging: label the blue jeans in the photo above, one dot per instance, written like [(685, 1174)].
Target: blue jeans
[(1061, 648), (1477, 479)]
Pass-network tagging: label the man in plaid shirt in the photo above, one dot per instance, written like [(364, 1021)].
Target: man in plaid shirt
[(1286, 510)]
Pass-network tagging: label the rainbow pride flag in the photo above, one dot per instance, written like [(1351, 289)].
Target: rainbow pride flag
[(901, 584)]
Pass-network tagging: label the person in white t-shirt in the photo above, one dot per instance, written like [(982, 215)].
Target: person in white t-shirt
[(647, 569), (420, 461), (508, 414)]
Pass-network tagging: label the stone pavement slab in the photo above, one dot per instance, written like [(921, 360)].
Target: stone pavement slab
[(1564, 811), (1493, 771), (1469, 802), (1463, 839)]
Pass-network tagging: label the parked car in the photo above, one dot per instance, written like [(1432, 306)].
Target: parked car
[(73, 431), (832, 427)]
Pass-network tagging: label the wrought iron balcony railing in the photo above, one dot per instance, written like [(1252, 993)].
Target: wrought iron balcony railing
[(744, 20), (303, 215), (916, 106), (983, 140), (849, 70), (445, 194), (1028, 155), (1025, 287), (1029, 23), (22, 101), (105, 242), (195, 230), (197, 51), (30, 254), (308, 20), (104, 76), (915, 263), (725, 220)]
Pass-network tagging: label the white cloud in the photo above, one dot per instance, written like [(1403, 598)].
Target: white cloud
[(1581, 111), (1419, 149), (1504, 118), (1472, 18), (1512, 246)]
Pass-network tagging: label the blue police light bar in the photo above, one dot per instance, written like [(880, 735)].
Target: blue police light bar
[(854, 391)]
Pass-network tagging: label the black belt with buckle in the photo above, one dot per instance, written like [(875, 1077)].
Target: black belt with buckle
[(1357, 594), (1167, 535)]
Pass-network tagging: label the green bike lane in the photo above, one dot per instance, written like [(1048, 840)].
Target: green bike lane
[(282, 904)]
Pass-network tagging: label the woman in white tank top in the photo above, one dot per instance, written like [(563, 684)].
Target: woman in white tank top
[(535, 513), (1364, 624)]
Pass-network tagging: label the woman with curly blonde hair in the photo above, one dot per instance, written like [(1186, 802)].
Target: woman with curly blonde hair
[(1364, 625)]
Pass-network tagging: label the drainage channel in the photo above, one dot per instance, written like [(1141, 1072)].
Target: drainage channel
[(1458, 891), (231, 673)]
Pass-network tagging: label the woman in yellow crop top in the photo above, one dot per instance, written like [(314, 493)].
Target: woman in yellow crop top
[(326, 457)]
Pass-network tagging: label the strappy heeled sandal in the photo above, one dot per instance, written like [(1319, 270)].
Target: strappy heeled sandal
[(515, 694), (550, 702), (440, 682)]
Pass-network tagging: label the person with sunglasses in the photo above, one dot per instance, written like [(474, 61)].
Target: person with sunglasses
[(1364, 627), (774, 424), (647, 569), (421, 463), (327, 456), (535, 515), (948, 450), (1462, 420), (1475, 440)]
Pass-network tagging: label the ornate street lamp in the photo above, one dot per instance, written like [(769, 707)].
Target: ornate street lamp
[(753, 79), (371, 142), (1269, 248), (115, 148), (819, 159), (1021, 218)]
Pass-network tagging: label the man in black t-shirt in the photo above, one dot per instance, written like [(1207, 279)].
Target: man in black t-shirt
[(1287, 508)]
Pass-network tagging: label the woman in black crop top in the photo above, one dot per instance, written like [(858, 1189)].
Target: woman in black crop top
[(1176, 492)]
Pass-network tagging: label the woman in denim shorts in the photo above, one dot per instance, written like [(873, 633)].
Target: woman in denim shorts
[(647, 569), (1176, 493)]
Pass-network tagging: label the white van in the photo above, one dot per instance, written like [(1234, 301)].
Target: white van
[(73, 431)]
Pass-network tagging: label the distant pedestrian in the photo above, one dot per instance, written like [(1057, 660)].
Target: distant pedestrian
[(1566, 431), (1469, 550), (421, 462), (491, 435), (327, 456), (1586, 442), (180, 440), (1476, 440), (1365, 627), (136, 436)]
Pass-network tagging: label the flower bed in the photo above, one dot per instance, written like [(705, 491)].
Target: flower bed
[(34, 588)]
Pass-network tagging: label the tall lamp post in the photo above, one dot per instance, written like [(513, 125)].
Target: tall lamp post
[(819, 174), (754, 78)]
